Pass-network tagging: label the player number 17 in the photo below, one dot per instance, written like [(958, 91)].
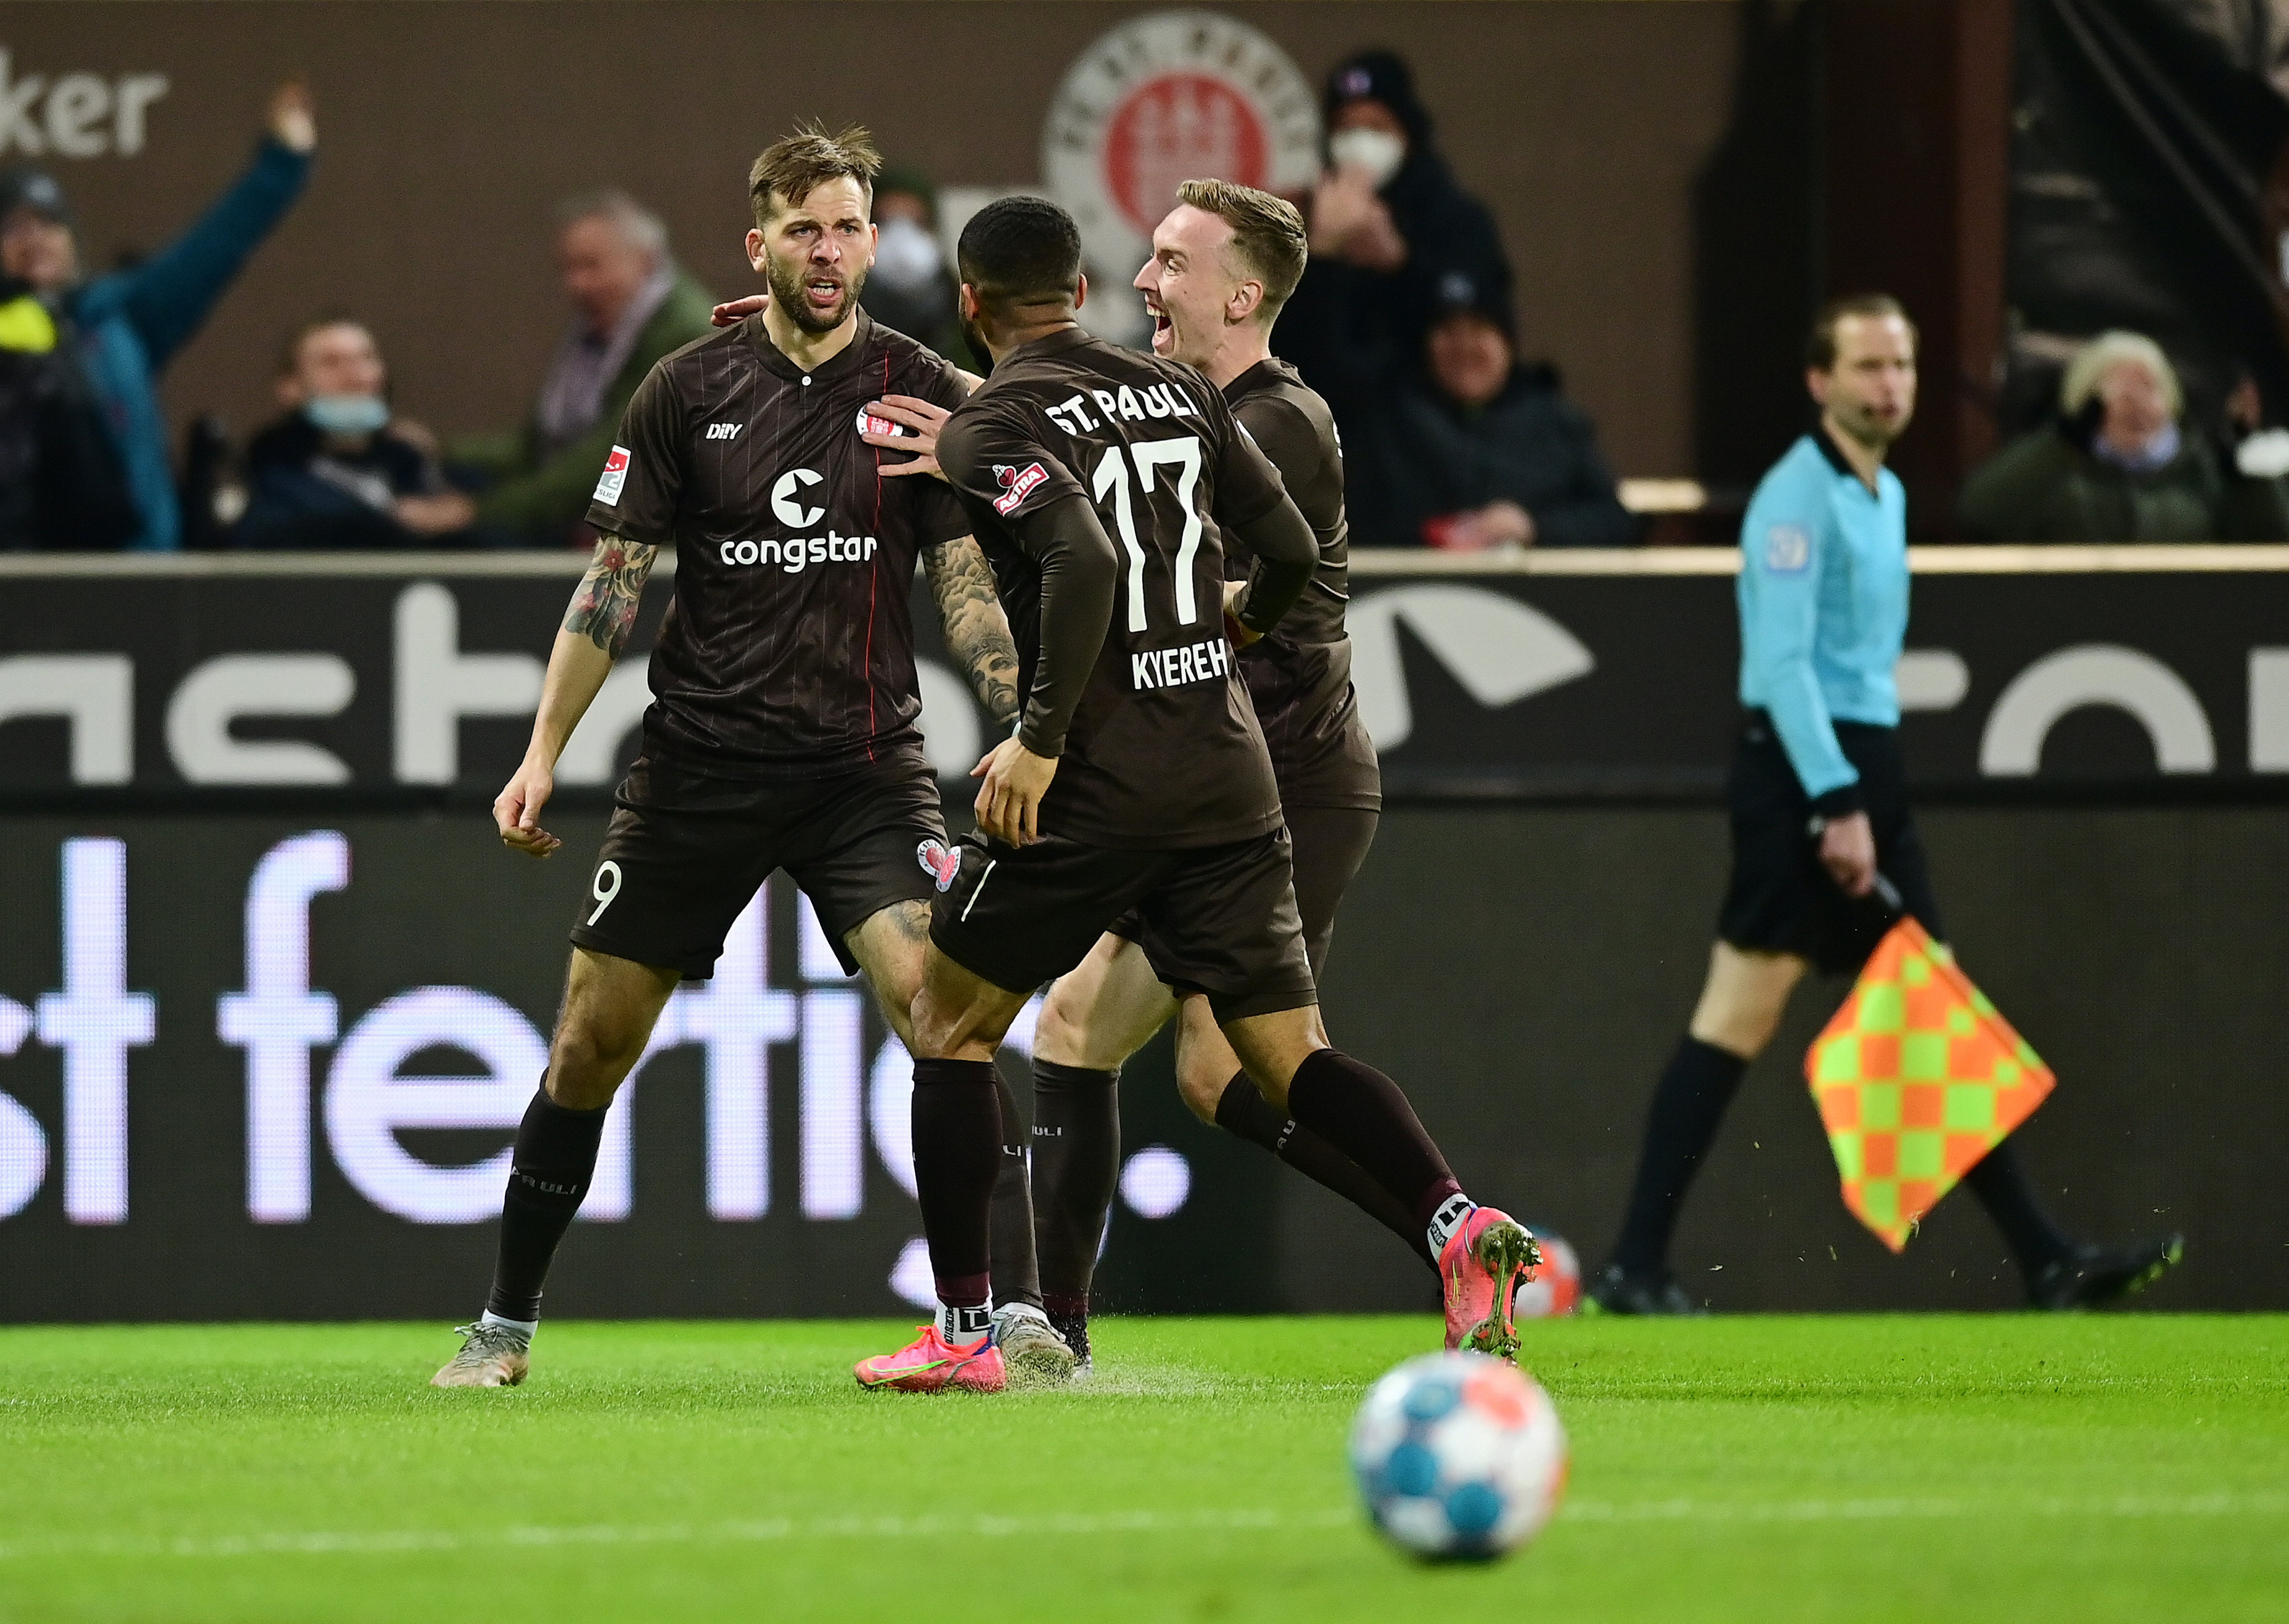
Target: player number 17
[(1112, 479)]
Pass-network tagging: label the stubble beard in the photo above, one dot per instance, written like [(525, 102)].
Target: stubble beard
[(790, 286), (974, 336)]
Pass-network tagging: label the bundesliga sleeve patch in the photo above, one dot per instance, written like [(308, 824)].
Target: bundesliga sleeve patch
[(615, 476), (1017, 484), (1788, 549)]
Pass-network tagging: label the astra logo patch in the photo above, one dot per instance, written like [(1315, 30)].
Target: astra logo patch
[(1017, 484), (615, 476), (869, 424), (1788, 549), (938, 862), (786, 508)]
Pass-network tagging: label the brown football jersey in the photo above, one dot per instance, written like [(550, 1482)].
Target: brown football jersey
[(1163, 749), (788, 648), (1300, 674)]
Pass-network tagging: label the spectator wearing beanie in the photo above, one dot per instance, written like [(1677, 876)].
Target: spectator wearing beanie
[(2120, 463), (1389, 225), (1474, 450), (118, 332)]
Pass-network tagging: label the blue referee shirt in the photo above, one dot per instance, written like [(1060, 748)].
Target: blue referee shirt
[(1823, 597)]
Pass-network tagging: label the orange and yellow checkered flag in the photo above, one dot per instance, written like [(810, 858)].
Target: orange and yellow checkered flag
[(1917, 1078)]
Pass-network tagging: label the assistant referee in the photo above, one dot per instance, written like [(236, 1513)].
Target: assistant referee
[(1818, 803)]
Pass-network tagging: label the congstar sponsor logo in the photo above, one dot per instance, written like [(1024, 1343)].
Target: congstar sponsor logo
[(795, 554)]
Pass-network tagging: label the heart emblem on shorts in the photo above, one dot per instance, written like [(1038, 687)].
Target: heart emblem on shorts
[(941, 863)]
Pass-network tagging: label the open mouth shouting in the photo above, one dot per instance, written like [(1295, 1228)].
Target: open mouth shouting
[(1164, 330), (823, 293)]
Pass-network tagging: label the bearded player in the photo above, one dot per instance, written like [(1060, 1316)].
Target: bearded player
[(1137, 780), (782, 731)]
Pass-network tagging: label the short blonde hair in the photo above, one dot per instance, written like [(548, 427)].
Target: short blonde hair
[(2109, 350), (1267, 235)]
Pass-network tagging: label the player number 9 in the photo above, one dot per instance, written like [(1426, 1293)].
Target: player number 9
[(601, 892)]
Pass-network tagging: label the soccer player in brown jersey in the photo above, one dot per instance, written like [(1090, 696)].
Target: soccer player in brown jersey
[(1137, 777), (782, 732), (1223, 264)]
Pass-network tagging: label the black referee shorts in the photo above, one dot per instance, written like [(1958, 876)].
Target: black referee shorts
[(1779, 899), (686, 852), (1218, 920)]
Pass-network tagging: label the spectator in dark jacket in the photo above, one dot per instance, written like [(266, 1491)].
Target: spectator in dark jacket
[(2119, 465), (1388, 225), (1476, 451), (124, 328), (336, 470), (62, 485)]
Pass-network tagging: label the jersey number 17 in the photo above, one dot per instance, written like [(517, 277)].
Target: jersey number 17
[(1112, 479)]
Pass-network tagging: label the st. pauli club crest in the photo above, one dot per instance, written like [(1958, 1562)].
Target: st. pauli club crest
[(1169, 97)]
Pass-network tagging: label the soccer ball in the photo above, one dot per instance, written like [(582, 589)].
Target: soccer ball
[(1555, 1289), (1458, 1456)]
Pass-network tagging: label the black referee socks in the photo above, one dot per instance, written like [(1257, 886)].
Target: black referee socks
[(549, 1170), (1242, 1111), (1077, 1157), (1689, 1108), (957, 1155)]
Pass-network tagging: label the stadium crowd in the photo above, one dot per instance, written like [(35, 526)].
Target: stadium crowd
[(1405, 322)]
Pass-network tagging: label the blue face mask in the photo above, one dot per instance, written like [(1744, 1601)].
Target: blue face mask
[(347, 414)]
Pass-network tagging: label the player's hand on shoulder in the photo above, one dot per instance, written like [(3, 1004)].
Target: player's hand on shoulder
[(732, 312), (516, 810), (1009, 801), (923, 419)]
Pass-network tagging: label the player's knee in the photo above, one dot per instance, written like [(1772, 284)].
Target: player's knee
[(1202, 1091), (1059, 1034), (589, 1060), (940, 1026)]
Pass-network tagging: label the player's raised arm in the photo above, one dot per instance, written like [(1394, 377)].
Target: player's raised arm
[(977, 631), (596, 631)]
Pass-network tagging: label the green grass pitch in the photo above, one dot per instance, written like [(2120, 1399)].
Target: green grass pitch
[(2093, 1469)]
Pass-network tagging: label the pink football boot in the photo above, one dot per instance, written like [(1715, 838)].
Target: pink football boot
[(929, 1364), (1480, 1267)]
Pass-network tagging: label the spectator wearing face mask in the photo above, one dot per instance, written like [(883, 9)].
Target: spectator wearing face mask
[(1389, 225), (911, 288), (632, 305), (1476, 450), (336, 470), (114, 335), (2121, 463)]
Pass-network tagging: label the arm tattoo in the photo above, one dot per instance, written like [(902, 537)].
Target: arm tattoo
[(604, 604), (977, 632)]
